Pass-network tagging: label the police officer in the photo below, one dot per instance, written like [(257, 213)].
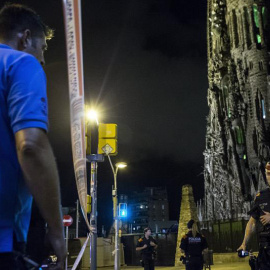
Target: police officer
[(260, 213), (193, 244), (147, 245)]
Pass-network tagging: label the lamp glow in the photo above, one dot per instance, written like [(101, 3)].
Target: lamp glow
[(92, 115), (121, 165)]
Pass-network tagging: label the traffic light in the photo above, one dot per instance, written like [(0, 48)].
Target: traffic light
[(122, 210), (107, 139), (89, 206)]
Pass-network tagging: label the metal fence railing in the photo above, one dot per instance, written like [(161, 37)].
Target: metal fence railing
[(227, 236), (222, 237)]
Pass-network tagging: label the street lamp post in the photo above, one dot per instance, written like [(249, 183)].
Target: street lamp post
[(94, 158), (119, 165)]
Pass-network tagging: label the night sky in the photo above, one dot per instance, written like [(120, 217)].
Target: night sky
[(145, 69)]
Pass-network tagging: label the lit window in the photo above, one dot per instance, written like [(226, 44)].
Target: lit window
[(256, 15), (259, 39), (162, 206), (239, 135), (257, 24), (154, 206), (263, 110)]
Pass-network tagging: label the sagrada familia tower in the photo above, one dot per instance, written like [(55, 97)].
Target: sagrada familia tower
[(238, 124)]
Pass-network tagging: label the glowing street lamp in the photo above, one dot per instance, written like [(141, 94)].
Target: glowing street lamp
[(92, 115), (121, 165), (91, 128)]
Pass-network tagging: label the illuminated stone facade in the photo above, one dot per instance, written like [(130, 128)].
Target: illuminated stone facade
[(237, 137)]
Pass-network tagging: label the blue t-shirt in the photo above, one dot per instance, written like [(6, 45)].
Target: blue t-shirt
[(23, 104)]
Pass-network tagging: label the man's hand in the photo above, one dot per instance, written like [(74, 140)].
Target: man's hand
[(204, 251), (265, 219), (242, 247), (58, 244)]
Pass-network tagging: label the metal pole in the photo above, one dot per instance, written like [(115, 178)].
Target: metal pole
[(77, 219), (116, 218), (93, 216), (66, 266), (117, 255)]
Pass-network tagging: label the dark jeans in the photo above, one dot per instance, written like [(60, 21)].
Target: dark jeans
[(194, 263), (149, 262), (6, 261), (9, 261), (263, 261)]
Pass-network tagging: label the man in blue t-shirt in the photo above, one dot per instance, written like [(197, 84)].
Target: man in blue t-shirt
[(27, 163)]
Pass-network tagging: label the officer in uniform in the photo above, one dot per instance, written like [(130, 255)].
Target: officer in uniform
[(193, 244), (147, 245), (260, 213)]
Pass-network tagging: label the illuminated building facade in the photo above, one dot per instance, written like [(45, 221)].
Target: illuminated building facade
[(237, 137)]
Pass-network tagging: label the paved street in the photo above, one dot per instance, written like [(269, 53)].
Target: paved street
[(231, 266)]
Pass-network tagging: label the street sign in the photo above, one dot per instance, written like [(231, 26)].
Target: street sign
[(67, 220), (107, 146)]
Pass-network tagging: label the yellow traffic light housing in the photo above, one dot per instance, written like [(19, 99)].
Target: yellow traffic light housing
[(107, 131), (107, 139), (89, 204)]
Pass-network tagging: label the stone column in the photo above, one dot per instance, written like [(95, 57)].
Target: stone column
[(188, 211)]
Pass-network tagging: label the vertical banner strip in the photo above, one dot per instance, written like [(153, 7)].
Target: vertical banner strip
[(78, 259), (72, 18)]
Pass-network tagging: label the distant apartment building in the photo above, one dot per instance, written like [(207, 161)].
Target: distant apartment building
[(149, 207)]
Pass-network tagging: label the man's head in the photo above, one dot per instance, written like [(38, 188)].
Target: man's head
[(267, 172), (23, 30), (147, 232)]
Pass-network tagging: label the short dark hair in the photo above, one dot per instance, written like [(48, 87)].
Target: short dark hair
[(17, 18), (147, 229), (190, 223)]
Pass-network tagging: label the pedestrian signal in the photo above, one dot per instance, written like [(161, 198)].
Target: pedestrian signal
[(122, 210)]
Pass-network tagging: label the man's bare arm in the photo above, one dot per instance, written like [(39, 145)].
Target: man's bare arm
[(153, 245), (250, 229), (39, 167), (141, 248)]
